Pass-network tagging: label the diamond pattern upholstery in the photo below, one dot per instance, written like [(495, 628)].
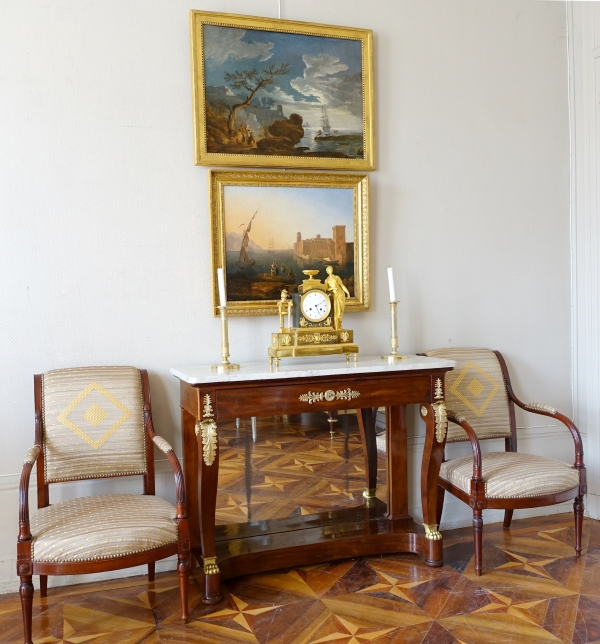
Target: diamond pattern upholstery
[(476, 390), (93, 423)]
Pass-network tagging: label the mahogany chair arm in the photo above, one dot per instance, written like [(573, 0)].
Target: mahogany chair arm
[(462, 421), (547, 410), (28, 463), (164, 447), (544, 410)]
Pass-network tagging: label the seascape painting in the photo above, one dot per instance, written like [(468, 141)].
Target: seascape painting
[(267, 252), (268, 228), (273, 97)]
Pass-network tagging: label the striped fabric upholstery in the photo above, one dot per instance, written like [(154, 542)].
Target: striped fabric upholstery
[(102, 527), (476, 390), (93, 423), (510, 475)]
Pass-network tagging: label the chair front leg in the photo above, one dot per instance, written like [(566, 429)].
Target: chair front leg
[(26, 594), (508, 514), (183, 568), (578, 511), (478, 539)]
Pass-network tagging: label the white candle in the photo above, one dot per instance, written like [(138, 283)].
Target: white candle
[(221, 282), (391, 283)]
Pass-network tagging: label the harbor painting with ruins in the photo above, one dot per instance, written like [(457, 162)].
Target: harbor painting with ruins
[(262, 94), (274, 233)]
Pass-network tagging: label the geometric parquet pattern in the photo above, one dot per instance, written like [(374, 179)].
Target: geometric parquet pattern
[(532, 590)]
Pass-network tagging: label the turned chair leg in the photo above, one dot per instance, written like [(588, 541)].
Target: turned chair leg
[(183, 568), (441, 492), (151, 569), (508, 514), (477, 540), (26, 594), (43, 585), (578, 511)]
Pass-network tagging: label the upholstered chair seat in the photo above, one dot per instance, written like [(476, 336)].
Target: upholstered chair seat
[(102, 527), (480, 405), (96, 423), (509, 475)]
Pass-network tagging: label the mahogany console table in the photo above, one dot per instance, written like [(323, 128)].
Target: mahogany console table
[(296, 387)]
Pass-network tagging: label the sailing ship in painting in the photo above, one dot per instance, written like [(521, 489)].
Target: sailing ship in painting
[(327, 134), (252, 279), (244, 261)]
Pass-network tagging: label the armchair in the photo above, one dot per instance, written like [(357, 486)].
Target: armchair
[(93, 423), (481, 405)]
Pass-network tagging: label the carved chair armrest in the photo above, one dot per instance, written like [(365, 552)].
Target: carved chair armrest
[(544, 410), (547, 410), (164, 447), (462, 421), (28, 463)]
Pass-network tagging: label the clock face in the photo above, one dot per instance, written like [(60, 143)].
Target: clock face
[(315, 306)]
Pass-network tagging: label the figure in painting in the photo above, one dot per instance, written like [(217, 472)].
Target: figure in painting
[(339, 292), (274, 269)]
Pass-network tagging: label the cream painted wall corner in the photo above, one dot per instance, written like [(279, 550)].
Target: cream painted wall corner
[(583, 20)]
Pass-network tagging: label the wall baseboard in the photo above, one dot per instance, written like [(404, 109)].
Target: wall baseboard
[(592, 506)]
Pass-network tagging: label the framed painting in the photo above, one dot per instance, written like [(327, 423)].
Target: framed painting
[(268, 227), (278, 93)]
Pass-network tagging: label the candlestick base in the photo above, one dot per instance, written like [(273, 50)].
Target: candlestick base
[(224, 367), (392, 358)]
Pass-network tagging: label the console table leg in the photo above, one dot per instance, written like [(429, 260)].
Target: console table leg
[(207, 493), (397, 462), (436, 423), (190, 471), (366, 424)]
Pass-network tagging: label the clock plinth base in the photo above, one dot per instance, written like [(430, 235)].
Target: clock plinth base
[(320, 341)]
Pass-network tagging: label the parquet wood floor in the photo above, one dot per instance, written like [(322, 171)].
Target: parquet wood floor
[(532, 590)]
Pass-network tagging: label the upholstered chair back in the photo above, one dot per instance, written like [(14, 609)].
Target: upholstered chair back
[(93, 423), (476, 390)]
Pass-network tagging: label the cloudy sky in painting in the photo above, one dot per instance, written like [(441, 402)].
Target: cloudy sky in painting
[(322, 71)]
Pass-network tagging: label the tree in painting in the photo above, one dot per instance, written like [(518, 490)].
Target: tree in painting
[(251, 81)]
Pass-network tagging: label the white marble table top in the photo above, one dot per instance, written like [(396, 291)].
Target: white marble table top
[(306, 368)]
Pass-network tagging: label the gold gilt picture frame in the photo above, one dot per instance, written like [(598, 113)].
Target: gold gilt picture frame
[(280, 93), (267, 227)]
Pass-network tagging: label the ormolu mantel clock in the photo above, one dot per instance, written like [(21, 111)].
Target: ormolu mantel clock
[(314, 320)]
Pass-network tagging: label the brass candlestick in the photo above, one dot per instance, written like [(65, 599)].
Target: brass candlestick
[(394, 355), (224, 366)]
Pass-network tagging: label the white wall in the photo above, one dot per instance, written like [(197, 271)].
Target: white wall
[(104, 223)]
